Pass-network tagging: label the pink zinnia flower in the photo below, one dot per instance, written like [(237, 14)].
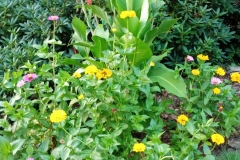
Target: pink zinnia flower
[(29, 77), (215, 80), (189, 58), (20, 83), (30, 159), (89, 2), (53, 18)]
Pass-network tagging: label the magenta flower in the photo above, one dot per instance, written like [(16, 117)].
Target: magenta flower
[(29, 77), (215, 80), (20, 83), (30, 159), (53, 18), (189, 58)]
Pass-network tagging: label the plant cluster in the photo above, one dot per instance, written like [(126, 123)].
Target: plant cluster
[(103, 102)]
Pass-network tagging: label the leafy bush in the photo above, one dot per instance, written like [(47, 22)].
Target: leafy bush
[(202, 28), (24, 22)]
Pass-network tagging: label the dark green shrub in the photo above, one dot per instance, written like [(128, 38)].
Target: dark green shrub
[(25, 22), (202, 28)]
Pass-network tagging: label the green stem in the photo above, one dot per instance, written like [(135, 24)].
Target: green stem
[(85, 13), (75, 138), (213, 147), (53, 62), (166, 157)]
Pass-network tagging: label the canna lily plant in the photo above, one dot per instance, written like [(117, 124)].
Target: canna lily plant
[(130, 34)]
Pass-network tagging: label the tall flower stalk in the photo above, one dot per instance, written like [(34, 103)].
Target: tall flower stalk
[(54, 19)]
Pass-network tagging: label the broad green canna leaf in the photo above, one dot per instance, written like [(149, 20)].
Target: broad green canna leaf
[(163, 28), (100, 45), (99, 13), (165, 78), (141, 51)]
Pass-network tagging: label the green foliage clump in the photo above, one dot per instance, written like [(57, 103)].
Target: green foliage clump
[(202, 28), (24, 22)]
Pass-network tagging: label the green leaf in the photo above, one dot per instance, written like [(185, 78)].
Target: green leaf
[(71, 62), (194, 98), (165, 78), (99, 13), (138, 127), (190, 127), (100, 32), (5, 148), (29, 149), (164, 27), (83, 130), (200, 136), (82, 43), (79, 28), (44, 146), (206, 149), (141, 53), (65, 153), (132, 24), (134, 5), (77, 56), (56, 153), (144, 12), (16, 145), (100, 45), (159, 57)]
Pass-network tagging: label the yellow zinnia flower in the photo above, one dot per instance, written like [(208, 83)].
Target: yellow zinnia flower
[(182, 119), (217, 138), (81, 96), (152, 64), (202, 57), (127, 14), (104, 74), (216, 90), (139, 147), (58, 116), (235, 77), (91, 70), (195, 72), (220, 71), (76, 75)]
